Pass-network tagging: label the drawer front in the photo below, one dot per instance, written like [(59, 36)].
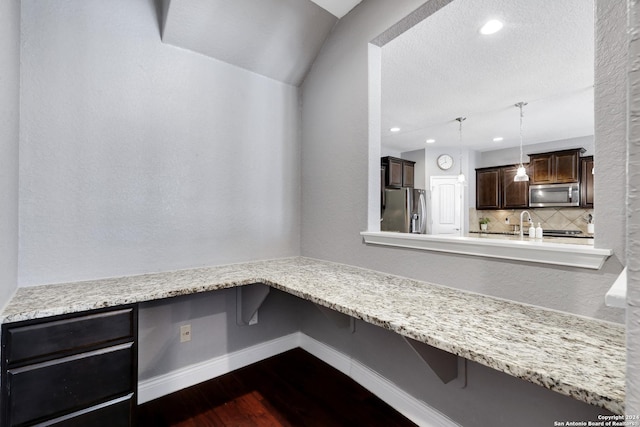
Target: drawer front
[(115, 413), (42, 339), (69, 384)]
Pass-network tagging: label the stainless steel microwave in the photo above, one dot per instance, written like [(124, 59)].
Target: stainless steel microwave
[(548, 195)]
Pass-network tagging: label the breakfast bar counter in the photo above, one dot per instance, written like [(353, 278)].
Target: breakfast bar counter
[(579, 357)]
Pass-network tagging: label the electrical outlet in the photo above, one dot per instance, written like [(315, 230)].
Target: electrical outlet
[(185, 333), (506, 220)]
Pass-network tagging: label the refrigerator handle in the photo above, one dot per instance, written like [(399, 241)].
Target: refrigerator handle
[(423, 216)]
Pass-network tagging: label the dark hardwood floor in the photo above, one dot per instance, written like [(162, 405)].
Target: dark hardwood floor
[(292, 389)]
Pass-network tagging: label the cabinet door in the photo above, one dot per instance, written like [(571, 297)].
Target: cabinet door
[(515, 195), (586, 182), (488, 188), (541, 169), (555, 167), (407, 174), (394, 173), (566, 165)]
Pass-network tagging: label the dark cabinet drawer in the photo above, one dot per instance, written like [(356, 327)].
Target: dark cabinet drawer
[(68, 334), (65, 385), (115, 413)]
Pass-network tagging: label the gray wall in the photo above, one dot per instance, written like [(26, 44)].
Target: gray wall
[(335, 150), (509, 156), (127, 150), (633, 211), (490, 398), (136, 156), (610, 155), (214, 331), (9, 138)]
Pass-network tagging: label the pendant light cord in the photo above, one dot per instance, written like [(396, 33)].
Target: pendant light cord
[(460, 120), (521, 105), (521, 173), (460, 148), (521, 116)]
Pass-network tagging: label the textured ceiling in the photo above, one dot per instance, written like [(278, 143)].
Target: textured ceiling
[(444, 68), (276, 38)]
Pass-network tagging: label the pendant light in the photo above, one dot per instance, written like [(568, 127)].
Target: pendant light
[(521, 174), (461, 178)]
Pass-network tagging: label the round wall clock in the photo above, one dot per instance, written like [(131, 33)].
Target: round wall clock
[(445, 162)]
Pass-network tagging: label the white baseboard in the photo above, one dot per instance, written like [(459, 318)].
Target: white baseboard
[(412, 408), (194, 374), (327, 354)]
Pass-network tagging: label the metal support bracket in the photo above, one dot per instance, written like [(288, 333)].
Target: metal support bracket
[(249, 298), (339, 319), (447, 366)]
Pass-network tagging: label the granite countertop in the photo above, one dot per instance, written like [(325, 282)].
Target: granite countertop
[(575, 356), (575, 240)]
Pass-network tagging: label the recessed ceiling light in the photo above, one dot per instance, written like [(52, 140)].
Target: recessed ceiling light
[(498, 139), (491, 27), (430, 141), (395, 129)]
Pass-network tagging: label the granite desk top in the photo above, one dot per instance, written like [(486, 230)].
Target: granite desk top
[(575, 356)]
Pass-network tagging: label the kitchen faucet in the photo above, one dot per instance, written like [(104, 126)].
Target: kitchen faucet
[(521, 226)]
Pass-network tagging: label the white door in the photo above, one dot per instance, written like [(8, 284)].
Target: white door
[(446, 205)]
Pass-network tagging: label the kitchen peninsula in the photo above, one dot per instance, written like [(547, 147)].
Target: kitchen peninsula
[(510, 247), (575, 356)]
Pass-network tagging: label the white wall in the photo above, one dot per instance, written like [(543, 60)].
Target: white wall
[(136, 156), (9, 138)]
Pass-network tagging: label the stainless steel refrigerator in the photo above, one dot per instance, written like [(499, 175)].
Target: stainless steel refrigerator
[(404, 210)]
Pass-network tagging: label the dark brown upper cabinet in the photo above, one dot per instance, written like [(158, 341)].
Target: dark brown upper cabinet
[(586, 181), (514, 194), (488, 188), (495, 189), (398, 172), (557, 167), (408, 178)]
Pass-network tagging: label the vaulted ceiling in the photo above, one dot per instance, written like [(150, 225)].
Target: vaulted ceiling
[(440, 69), (275, 38)]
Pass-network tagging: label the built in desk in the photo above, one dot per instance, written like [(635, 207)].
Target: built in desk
[(579, 357)]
